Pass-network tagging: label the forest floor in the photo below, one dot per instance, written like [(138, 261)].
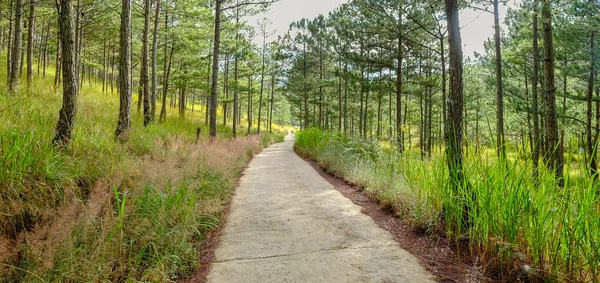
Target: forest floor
[(289, 224)]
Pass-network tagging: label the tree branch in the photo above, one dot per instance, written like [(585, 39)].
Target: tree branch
[(248, 3)]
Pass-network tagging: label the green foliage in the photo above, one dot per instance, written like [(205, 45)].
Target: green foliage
[(525, 227)]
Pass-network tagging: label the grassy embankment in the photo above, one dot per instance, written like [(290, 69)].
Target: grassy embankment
[(101, 210), (520, 230)]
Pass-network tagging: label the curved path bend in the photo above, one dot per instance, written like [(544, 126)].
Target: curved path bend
[(289, 224)]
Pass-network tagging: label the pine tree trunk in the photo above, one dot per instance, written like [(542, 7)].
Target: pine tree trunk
[(215, 72), (444, 83), (272, 102), (454, 102), (104, 67), (40, 48), (16, 47), (340, 96), (30, 30), (591, 145), (166, 70), (320, 88), (46, 50), (154, 68), (556, 155), (345, 100), (112, 67), (58, 61), (535, 156), (182, 100), (249, 103), (366, 111), (226, 88), (23, 50), (207, 114), (9, 42), (399, 133), (235, 93), (123, 125), (66, 118), (500, 143), (262, 81), (304, 82), (144, 66), (163, 110), (361, 114)]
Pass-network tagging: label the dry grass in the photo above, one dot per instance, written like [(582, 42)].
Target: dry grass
[(84, 214)]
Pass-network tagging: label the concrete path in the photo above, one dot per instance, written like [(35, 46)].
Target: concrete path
[(288, 224)]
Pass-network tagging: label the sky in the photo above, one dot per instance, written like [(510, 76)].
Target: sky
[(477, 26)]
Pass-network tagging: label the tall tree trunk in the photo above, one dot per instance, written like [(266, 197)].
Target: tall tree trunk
[(564, 107), (272, 102), (235, 92), (444, 91), (39, 51), (182, 99), (30, 30), (58, 60), (226, 89), (144, 66), (366, 112), (535, 156), (345, 100), (154, 67), (340, 97), (235, 75), (591, 145), (215, 71), (262, 80), (556, 155), (112, 66), (249, 104), (320, 87), (399, 133), (16, 47), (41, 45), (361, 114), (529, 125), (429, 115), (304, 82), (390, 119), (46, 50), (500, 143), (104, 67), (140, 91), (23, 49), (163, 110), (66, 117), (9, 42), (208, 72), (79, 41), (166, 70), (122, 131), (454, 102), (378, 133)]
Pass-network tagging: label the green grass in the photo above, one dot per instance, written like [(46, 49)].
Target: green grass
[(519, 228), (125, 222)]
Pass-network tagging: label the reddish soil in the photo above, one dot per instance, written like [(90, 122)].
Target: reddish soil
[(445, 259)]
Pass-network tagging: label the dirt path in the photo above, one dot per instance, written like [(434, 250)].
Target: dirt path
[(288, 224)]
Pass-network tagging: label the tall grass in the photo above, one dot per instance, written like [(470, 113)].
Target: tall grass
[(95, 211), (521, 228)]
